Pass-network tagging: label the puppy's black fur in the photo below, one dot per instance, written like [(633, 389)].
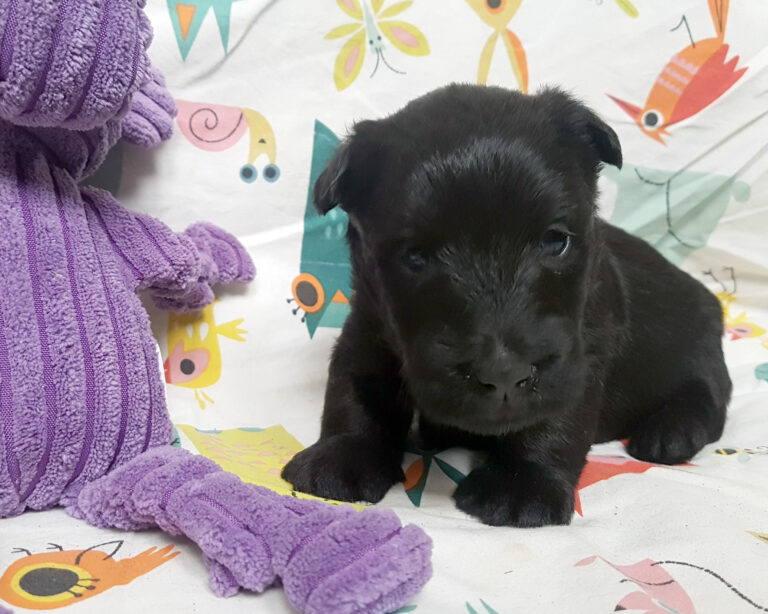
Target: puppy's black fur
[(492, 301)]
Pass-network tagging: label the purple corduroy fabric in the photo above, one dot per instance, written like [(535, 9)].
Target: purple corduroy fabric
[(149, 120), (70, 64), (81, 388), (328, 559)]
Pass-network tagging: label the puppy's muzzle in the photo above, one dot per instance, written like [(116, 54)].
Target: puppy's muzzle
[(502, 374)]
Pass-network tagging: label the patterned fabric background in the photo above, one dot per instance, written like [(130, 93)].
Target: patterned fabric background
[(265, 90)]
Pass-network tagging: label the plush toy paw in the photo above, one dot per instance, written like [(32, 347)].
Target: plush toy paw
[(149, 120), (521, 496), (360, 562), (224, 259), (107, 502), (344, 468), (219, 259)]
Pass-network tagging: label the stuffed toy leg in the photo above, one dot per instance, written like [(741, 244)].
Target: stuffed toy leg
[(329, 559)]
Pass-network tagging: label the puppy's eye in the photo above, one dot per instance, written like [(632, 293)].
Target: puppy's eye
[(416, 260), (555, 243)]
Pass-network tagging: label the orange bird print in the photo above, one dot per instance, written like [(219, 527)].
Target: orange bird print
[(498, 14), (692, 80), (58, 577)]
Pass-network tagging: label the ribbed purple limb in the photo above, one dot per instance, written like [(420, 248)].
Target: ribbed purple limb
[(72, 65), (328, 558)]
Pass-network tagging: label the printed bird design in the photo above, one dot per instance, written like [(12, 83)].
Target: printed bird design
[(58, 577), (498, 14), (321, 290), (194, 359), (599, 468), (692, 80), (658, 592), (737, 326)]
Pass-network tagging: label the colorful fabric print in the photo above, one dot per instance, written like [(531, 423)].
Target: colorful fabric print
[(736, 326), (739, 326), (692, 80), (187, 18), (625, 5), (417, 472), (372, 24), (488, 609), (256, 455), (659, 592), (742, 454), (321, 290), (215, 127), (194, 352), (497, 14), (57, 578), (674, 212), (604, 467)]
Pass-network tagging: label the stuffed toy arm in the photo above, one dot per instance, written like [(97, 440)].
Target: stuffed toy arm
[(70, 64), (329, 559), (177, 270), (149, 120)]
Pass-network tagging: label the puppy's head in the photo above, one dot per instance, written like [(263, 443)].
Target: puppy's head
[(473, 239)]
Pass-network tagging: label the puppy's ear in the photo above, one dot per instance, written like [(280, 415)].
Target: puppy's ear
[(603, 139), (574, 117), (329, 187), (351, 174)]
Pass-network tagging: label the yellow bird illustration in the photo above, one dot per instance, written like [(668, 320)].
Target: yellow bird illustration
[(194, 358), (737, 326)]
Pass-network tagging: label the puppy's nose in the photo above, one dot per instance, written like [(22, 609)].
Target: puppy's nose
[(503, 372)]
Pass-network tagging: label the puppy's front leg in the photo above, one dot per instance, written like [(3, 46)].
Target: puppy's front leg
[(529, 477), (365, 422)]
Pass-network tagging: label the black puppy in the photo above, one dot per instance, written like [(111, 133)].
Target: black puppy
[(491, 300)]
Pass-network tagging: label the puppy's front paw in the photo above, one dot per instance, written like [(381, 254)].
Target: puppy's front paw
[(524, 496), (667, 439), (345, 468)]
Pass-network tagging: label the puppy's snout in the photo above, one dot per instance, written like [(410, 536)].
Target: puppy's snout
[(502, 373)]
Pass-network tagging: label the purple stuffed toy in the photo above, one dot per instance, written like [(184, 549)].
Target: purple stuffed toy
[(83, 420)]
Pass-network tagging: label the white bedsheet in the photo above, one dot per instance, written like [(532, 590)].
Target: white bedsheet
[(666, 539)]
